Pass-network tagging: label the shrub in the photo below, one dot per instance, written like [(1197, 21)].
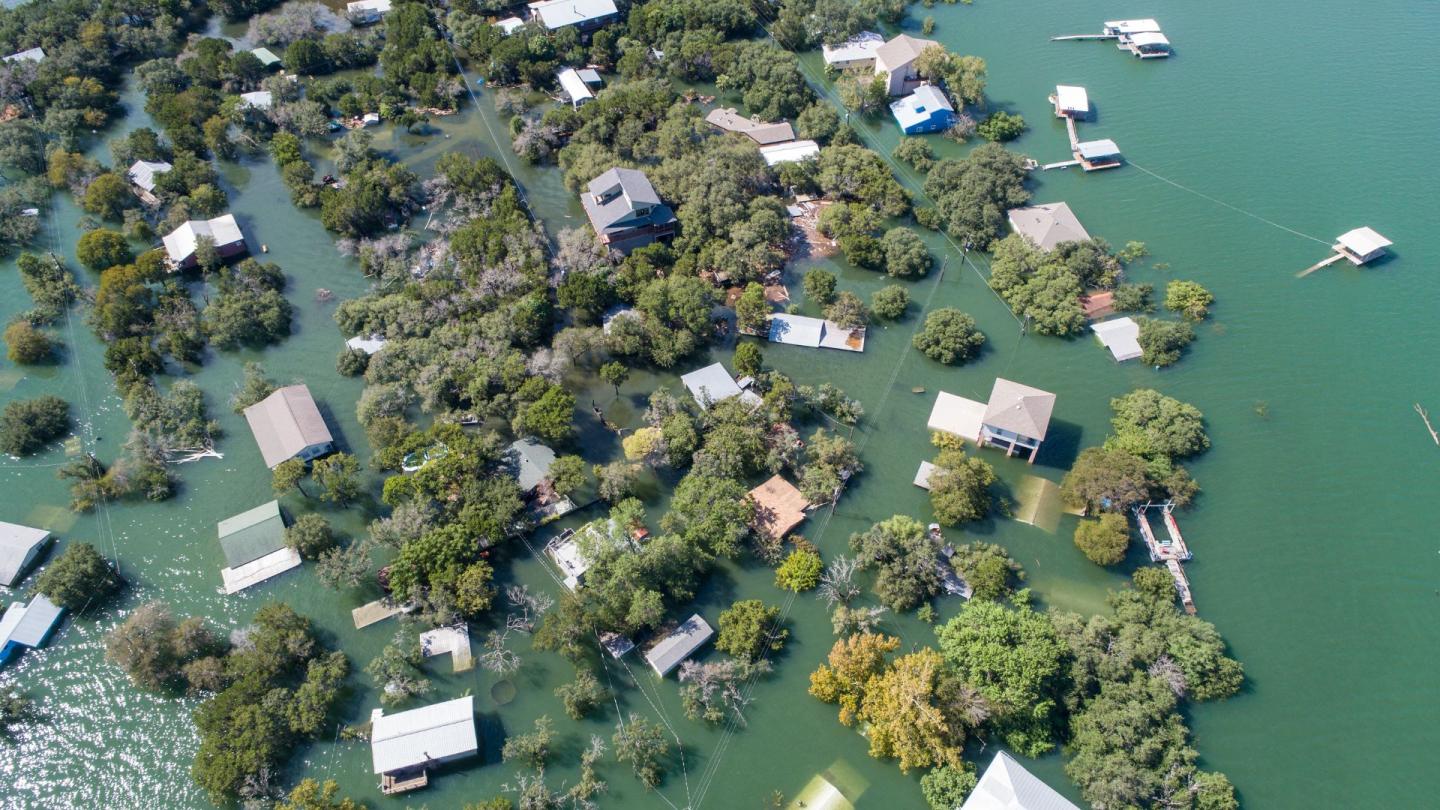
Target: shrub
[(800, 571), (1189, 299), (949, 337), (1001, 126), (29, 424), (1103, 541), (749, 628), (310, 535), (889, 303), (26, 345)]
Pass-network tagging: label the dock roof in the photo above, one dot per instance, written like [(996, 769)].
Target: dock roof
[(1019, 409), (18, 546), (789, 152), (1006, 785), (252, 534), (679, 645), (710, 384), (1097, 149), (1121, 336), (1047, 225), (957, 416), (1132, 26), (860, 47), (285, 423), (1072, 98), (440, 731), (1150, 38), (779, 507), (1363, 241)]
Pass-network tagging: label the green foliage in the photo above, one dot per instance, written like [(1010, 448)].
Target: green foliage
[(312, 795), (155, 651), (749, 629), (567, 474), (1045, 287), (975, 192), (905, 254), (473, 592), (338, 476), (902, 554), (946, 787), (551, 417), (1105, 540), (15, 708), (916, 152), (396, 671), (960, 488), (642, 744), (847, 310), (582, 695), (1106, 479), (854, 173), (1133, 298), (800, 571), (288, 475), (107, 197), (25, 345), (310, 535), (531, 749), (752, 310), (819, 286), (748, 359), (250, 309), (709, 513), (1001, 126), (78, 577), (51, 286), (1151, 425), (1162, 342), (27, 425), (1189, 299), (889, 303), (254, 387), (102, 249), (988, 569), (949, 336), (615, 374)]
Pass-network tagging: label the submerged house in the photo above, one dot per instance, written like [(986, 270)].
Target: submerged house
[(713, 384), (814, 333), (404, 746), (29, 626), (682, 643), (779, 507), (287, 424), (925, 110), (19, 546), (625, 211), (566, 552), (1047, 225), (254, 546), (1121, 336), (791, 152), (1016, 417), (1006, 785), (728, 119), (895, 60), (367, 12), (856, 52), (585, 15), (181, 243), (142, 173)]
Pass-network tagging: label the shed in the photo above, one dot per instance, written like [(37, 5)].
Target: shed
[(855, 52), (710, 384), (424, 737), (254, 546), (1121, 336), (779, 507), (368, 345), (590, 76), (585, 14), (27, 625), (1006, 785), (29, 55), (266, 56), (925, 110), (287, 424), (224, 231), (616, 645), (789, 152), (1047, 225), (679, 645), (922, 475), (143, 172), (529, 461), (1362, 245), (510, 25), (259, 99), (364, 12), (815, 333), (1071, 101), (957, 416), (728, 119), (574, 87), (19, 546)]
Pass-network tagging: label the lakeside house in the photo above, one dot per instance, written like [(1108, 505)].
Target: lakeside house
[(27, 626), (625, 211), (1006, 785), (1016, 417), (1361, 245), (404, 746), (779, 507), (223, 231), (267, 57), (1047, 225), (857, 52), (1096, 155), (19, 546), (713, 384), (529, 461), (728, 119), (574, 87), (1071, 102), (895, 60), (36, 55), (814, 333), (1121, 336), (925, 110), (287, 424), (366, 12), (142, 173), (791, 152), (254, 546), (585, 15), (680, 644)]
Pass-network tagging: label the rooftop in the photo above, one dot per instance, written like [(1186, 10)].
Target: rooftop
[(957, 416), (616, 195), (814, 333), (1047, 225), (29, 55), (730, 120), (18, 546), (1071, 98), (920, 106), (710, 384), (560, 13), (1097, 149), (285, 423), (1132, 26), (922, 475), (143, 172), (574, 86), (29, 625), (1019, 409), (180, 243), (1151, 39), (862, 46), (1363, 241), (779, 507), (1006, 785), (902, 50), (368, 345), (436, 732), (529, 461), (1121, 336), (679, 645), (260, 99), (789, 152), (266, 56), (252, 534), (510, 25)]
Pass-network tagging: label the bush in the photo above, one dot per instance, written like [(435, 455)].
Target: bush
[(960, 488), (916, 152), (889, 303), (310, 535), (29, 424), (800, 571), (905, 254), (1103, 541), (949, 337), (1189, 299), (1162, 342), (77, 577), (26, 345), (1001, 127), (581, 695), (847, 310), (749, 628), (351, 362), (748, 359)]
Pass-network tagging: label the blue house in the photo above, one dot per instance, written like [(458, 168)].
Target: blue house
[(925, 110), (27, 626)]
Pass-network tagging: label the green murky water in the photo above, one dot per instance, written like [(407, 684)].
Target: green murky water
[(1314, 541)]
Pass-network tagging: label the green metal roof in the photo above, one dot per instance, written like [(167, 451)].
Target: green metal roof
[(251, 535)]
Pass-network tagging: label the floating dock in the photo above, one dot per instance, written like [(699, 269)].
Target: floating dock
[(1360, 246), (1171, 551), (1142, 38)]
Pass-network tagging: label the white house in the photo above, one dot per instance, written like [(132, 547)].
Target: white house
[(789, 152), (19, 546), (896, 61), (143, 173), (224, 231), (509, 25), (1016, 417), (710, 384), (405, 745), (857, 52), (576, 91), (583, 14), (287, 424), (366, 12), (1006, 785)]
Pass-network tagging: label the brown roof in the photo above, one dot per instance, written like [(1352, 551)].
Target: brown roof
[(1019, 409), (779, 507), (730, 120), (285, 423), (1097, 303)]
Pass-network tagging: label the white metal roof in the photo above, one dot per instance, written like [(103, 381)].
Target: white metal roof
[(860, 47), (590, 76), (560, 13), (957, 416), (920, 106), (1149, 38), (510, 25), (1006, 785), (788, 152), (710, 384), (1097, 149), (1070, 98), (574, 86), (29, 624), (410, 739), (796, 330), (1132, 26), (180, 243), (258, 570), (376, 6), (1363, 241), (266, 56), (1047, 224), (30, 55), (1121, 336), (260, 99), (18, 545), (679, 645), (143, 172)]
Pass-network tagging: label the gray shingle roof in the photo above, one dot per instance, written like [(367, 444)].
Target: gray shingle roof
[(1019, 409), (285, 423), (1047, 225)]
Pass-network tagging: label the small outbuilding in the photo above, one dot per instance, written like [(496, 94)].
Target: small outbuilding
[(19, 546), (1047, 225), (925, 110), (1362, 245), (710, 384), (404, 746), (29, 626), (585, 15), (1147, 44), (1121, 336), (814, 333), (957, 416), (287, 424), (369, 345), (1121, 28), (1071, 101), (367, 12), (1006, 785), (267, 57), (1016, 417), (789, 152), (728, 119), (257, 100), (510, 25), (779, 507), (181, 243), (576, 91), (254, 546), (142, 173), (857, 52), (682, 643)]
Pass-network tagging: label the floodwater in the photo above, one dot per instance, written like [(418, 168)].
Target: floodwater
[(1275, 128)]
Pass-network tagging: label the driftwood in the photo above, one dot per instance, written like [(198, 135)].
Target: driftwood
[(1425, 416), (185, 455)]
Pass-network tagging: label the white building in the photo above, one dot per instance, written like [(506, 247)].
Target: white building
[(584, 14), (27, 625), (1362, 245), (19, 546), (287, 424), (258, 100), (814, 333), (789, 152), (1121, 336), (31, 55), (366, 12), (858, 52), (1006, 785), (1071, 101), (679, 645), (407, 744), (143, 173), (576, 91), (896, 61), (712, 384), (510, 25), (224, 231)]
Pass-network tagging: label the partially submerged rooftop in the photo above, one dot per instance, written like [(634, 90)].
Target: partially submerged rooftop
[(287, 424), (710, 384), (27, 625), (779, 507), (254, 546), (730, 120), (670, 651), (814, 333), (1121, 336), (1006, 785), (789, 152), (434, 734), (957, 416), (1047, 224), (1362, 244), (19, 545)]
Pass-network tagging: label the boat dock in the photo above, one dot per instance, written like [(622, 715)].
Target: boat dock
[(1083, 37), (377, 611), (1171, 551)]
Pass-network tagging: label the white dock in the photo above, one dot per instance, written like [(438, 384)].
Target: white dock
[(257, 571), (453, 641)]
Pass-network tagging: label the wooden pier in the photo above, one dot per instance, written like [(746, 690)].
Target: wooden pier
[(1323, 263), (391, 784), (1171, 551), (1083, 37)]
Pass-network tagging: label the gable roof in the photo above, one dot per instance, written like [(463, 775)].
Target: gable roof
[(252, 534), (266, 56), (530, 462), (631, 190), (29, 55), (1097, 149), (440, 731), (30, 624), (575, 87), (902, 50), (779, 507), (1019, 409), (1006, 785), (1132, 26), (789, 152), (1047, 225), (180, 243), (1121, 336), (259, 99), (920, 106), (560, 13), (710, 384), (730, 120), (1072, 98), (18, 545), (285, 423), (679, 645), (143, 172)]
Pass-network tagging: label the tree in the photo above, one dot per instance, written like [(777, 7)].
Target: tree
[(1103, 541), (345, 567), (987, 569), (800, 571), (960, 488), (15, 707), (710, 513), (1151, 425), (642, 744), (531, 749), (748, 359), (615, 374), (850, 667), (107, 196), (916, 152), (154, 650), (905, 254), (644, 444), (974, 193), (312, 795), (338, 476), (77, 577), (1015, 659), (949, 336), (903, 556), (750, 628), (1162, 342), (27, 425), (396, 671), (1106, 479), (847, 311), (567, 474), (1001, 126), (819, 286), (946, 787), (889, 303), (752, 311), (102, 249), (912, 712), (1189, 299), (551, 417), (582, 695), (473, 592), (287, 475), (310, 535), (25, 345)]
